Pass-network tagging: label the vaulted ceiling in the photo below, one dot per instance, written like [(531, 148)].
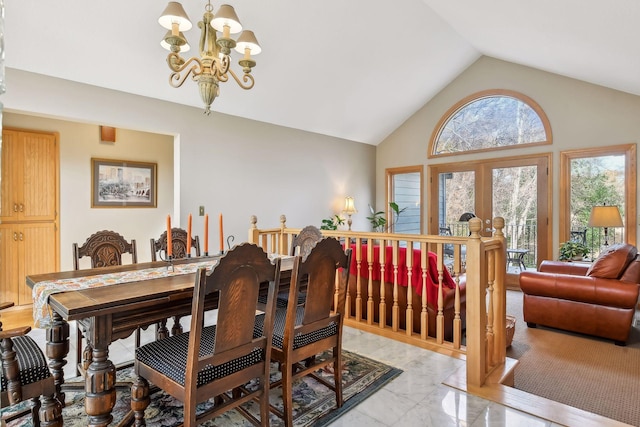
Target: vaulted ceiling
[(354, 69)]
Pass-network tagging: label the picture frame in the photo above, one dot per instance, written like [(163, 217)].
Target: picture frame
[(123, 184)]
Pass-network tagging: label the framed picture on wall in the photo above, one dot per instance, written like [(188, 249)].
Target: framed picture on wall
[(123, 184)]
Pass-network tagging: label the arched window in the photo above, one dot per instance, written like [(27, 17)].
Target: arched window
[(490, 120)]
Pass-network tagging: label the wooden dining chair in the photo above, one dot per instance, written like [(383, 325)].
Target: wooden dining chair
[(24, 374), (219, 360), (301, 245), (178, 245), (306, 330), (104, 248), (179, 251)]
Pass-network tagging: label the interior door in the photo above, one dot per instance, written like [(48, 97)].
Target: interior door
[(516, 189)]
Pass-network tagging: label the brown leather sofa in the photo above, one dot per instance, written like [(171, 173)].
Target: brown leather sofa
[(598, 299)]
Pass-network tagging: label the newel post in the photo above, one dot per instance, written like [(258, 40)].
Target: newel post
[(284, 237), (476, 305), (253, 230)]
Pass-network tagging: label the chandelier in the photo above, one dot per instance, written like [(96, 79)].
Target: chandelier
[(214, 64)]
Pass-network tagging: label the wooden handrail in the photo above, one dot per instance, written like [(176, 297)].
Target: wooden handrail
[(481, 261)]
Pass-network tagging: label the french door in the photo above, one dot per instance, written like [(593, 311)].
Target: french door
[(516, 189)]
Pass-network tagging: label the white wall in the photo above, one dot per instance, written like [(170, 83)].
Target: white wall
[(581, 115), (230, 165)]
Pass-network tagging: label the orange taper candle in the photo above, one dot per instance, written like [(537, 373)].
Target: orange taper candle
[(206, 234), (189, 236), (169, 242), (221, 236)]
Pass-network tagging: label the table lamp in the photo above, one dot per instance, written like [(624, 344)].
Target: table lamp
[(349, 209), (605, 216)]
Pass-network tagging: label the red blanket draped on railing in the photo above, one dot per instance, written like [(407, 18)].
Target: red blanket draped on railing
[(403, 277)]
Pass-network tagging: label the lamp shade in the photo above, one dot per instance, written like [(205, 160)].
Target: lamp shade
[(349, 206), (605, 216), (184, 45), (226, 15), (248, 40), (174, 14)]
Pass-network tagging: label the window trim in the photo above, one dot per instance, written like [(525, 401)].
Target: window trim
[(389, 172), (630, 211), (485, 94)]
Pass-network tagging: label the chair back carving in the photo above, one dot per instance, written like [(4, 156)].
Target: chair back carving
[(104, 248), (305, 241), (178, 244)]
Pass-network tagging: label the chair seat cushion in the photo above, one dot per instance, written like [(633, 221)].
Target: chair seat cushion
[(300, 340), (31, 362), (169, 357)]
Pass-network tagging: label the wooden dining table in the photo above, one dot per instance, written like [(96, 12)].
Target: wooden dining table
[(111, 312)]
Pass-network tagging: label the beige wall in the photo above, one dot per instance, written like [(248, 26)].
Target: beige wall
[(581, 115), (78, 144), (230, 165)]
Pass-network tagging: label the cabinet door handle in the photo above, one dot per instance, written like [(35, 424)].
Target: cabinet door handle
[(21, 236), (21, 207), (15, 207), (15, 236)]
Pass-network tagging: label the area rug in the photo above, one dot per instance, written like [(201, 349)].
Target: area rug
[(585, 372), (314, 404)]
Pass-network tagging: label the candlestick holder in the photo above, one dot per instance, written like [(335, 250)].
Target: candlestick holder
[(168, 259)]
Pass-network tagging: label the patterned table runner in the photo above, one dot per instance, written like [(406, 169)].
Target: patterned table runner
[(42, 290)]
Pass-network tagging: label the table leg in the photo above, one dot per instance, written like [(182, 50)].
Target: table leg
[(57, 349), (100, 378)]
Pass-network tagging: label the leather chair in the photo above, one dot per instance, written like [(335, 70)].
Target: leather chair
[(598, 299)]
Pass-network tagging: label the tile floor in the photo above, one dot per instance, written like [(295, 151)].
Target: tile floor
[(415, 398)]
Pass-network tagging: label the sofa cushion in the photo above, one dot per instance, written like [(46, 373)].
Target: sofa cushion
[(613, 261)]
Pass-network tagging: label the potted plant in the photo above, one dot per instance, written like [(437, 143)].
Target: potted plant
[(573, 251), (377, 219), (331, 223)]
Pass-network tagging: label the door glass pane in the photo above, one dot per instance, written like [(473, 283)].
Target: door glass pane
[(515, 199), (456, 197), (596, 181), (406, 191)]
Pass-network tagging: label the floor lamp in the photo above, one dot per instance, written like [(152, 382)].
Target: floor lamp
[(605, 216)]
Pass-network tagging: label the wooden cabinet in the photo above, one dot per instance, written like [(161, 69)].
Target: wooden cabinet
[(29, 206), (29, 176), (25, 249)]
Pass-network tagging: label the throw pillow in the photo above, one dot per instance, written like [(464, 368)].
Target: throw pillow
[(632, 273), (613, 261)]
